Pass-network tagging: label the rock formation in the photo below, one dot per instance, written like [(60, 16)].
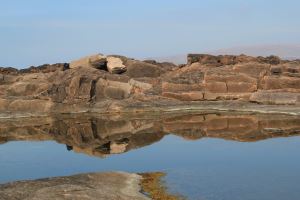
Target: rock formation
[(114, 83), (92, 186)]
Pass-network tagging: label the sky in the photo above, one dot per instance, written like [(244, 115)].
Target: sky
[(35, 32)]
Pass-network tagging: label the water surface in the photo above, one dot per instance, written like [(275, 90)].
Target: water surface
[(205, 156)]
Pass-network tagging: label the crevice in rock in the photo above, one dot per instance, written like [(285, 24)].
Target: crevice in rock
[(93, 90)]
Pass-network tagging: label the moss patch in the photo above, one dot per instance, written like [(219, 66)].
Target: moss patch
[(153, 186)]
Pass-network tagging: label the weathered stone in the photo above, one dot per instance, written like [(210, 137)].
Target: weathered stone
[(252, 69), (4, 104), (97, 61), (115, 65), (34, 105), (136, 69), (81, 87), (227, 96), (176, 87), (111, 185), (276, 70), (8, 70), (185, 96), (216, 87), (141, 85), (58, 93), (225, 75), (275, 98), (114, 93), (212, 60), (1, 78), (46, 68), (240, 87), (273, 82), (148, 84)]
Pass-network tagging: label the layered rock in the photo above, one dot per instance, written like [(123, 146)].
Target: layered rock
[(114, 83)]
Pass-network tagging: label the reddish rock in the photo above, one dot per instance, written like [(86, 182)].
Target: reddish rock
[(185, 96), (87, 86), (240, 87), (216, 87), (283, 98), (280, 82)]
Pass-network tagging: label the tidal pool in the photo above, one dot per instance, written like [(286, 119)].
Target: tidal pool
[(205, 155)]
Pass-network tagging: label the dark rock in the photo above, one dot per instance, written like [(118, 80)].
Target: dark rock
[(46, 68), (276, 70), (8, 70)]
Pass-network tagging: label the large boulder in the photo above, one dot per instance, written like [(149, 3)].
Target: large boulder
[(97, 61), (115, 65)]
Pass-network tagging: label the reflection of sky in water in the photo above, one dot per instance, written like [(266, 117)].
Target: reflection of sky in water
[(207, 168)]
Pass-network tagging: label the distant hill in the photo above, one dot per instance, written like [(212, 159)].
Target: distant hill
[(283, 51), (177, 59)]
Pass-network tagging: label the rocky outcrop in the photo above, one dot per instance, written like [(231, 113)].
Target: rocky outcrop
[(93, 186), (115, 65), (115, 83)]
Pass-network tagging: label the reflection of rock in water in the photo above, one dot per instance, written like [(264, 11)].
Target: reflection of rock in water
[(104, 135)]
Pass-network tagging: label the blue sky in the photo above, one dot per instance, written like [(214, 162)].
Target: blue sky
[(34, 32)]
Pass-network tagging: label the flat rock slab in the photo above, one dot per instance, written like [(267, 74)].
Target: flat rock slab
[(106, 186)]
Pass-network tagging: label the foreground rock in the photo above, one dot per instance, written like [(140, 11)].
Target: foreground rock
[(114, 83), (96, 186)]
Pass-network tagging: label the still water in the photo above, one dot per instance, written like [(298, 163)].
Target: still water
[(206, 156)]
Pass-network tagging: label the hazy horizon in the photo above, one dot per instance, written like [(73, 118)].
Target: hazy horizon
[(35, 32)]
